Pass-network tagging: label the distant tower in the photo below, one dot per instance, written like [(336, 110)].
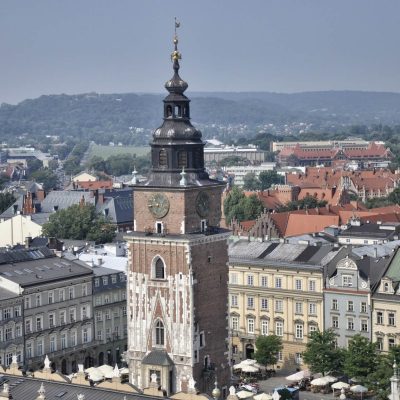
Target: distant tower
[(178, 273)]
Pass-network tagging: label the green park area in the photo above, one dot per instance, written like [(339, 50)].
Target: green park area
[(109, 151)]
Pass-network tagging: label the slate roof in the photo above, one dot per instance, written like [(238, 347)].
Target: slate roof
[(382, 231), (120, 209), (22, 388), (157, 357), (64, 199), (289, 254), (30, 267), (370, 268)]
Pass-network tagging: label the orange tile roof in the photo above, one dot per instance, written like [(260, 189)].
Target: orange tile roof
[(94, 185)]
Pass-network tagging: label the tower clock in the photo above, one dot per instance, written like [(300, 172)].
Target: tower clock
[(178, 259)]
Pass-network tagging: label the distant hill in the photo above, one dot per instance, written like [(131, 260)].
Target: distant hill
[(105, 117)]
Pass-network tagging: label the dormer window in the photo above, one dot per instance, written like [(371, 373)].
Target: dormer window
[(386, 287), (168, 113)]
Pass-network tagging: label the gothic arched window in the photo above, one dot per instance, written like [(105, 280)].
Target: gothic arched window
[(182, 159), (159, 269), (159, 333), (162, 158)]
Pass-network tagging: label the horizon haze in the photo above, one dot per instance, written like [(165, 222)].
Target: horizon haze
[(279, 46)]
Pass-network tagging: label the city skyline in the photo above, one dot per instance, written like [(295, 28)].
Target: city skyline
[(276, 46)]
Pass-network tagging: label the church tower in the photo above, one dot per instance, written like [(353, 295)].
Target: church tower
[(178, 260)]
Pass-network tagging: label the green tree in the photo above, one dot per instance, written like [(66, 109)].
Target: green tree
[(268, 348), (6, 199), (360, 359), (321, 354), (251, 182), (268, 178), (46, 177), (232, 200), (379, 379), (232, 161), (394, 197), (34, 165), (80, 223), (240, 207)]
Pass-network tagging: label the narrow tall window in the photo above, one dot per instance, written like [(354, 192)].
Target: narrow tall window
[(159, 333), (182, 159), (162, 158), (159, 269)]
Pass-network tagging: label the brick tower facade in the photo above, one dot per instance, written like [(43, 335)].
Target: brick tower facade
[(178, 260)]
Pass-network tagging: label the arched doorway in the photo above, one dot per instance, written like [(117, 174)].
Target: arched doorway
[(109, 357), (64, 367), (88, 362), (249, 351), (101, 358), (74, 367)]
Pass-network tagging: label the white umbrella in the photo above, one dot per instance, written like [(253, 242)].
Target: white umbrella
[(96, 376), (319, 382), (250, 368), (340, 385), (298, 376), (124, 370), (91, 369), (244, 394), (329, 379), (105, 369), (263, 396), (249, 361), (359, 389)]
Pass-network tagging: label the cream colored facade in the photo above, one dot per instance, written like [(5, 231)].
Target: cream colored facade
[(16, 229), (84, 177), (282, 299), (386, 314)]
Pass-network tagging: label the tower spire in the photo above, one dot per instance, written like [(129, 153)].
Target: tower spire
[(176, 56)]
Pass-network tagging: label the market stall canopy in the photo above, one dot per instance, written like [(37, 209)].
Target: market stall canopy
[(298, 376)]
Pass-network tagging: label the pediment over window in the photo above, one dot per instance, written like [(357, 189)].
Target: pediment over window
[(346, 263), (386, 286)]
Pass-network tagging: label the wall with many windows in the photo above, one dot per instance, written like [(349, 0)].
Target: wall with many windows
[(282, 299)]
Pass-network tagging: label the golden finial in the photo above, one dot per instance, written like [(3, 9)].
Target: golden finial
[(175, 56)]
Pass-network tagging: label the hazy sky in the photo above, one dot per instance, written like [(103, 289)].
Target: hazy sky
[(76, 46)]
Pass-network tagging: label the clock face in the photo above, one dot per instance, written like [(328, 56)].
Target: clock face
[(159, 205), (202, 204)]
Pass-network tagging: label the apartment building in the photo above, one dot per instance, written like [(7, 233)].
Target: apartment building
[(275, 288), (55, 296), (350, 282), (386, 307), (109, 307)]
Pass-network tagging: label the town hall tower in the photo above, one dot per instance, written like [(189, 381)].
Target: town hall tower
[(178, 271)]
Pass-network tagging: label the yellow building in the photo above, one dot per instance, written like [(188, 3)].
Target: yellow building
[(275, 288)]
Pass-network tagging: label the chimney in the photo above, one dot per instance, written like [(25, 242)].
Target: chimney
[(28, 241), (40, 194), (100, 261), (100, 198)]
